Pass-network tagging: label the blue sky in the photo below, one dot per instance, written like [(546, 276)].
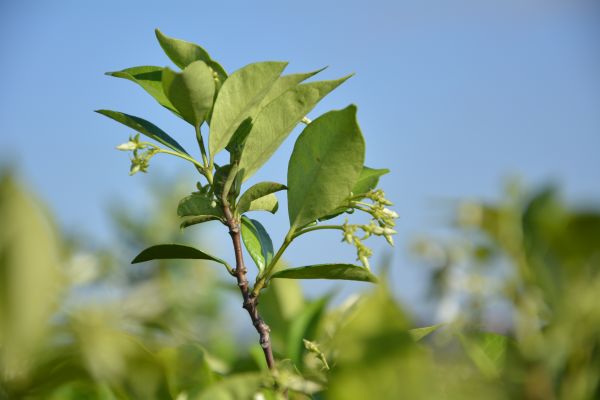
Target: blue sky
[(453, 96)]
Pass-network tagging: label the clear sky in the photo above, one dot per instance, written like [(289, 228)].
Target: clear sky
[(453, 96)]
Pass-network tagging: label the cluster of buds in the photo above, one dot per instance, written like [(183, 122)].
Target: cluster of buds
[(381, 225), (142, 153)]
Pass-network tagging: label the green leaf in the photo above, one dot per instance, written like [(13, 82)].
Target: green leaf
[(325, 164), (368, 179), (257, 242), (144, 127), (283, 84), (266, 203), (255, 192), (347, 272), (183, 53), (224, 181), (174, 251), (241, 386), (419, 333), (198, 204), (304, 326), (150, 79), (487, 351), (190, 221), (276, 120), (238, 98), (191, 91)]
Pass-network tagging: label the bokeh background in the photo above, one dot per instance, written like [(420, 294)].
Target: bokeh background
[(462, 100)]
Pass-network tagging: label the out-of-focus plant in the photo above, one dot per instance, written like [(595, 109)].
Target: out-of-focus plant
[(529, 266), (249, 114)]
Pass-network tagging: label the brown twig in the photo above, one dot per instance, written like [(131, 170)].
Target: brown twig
[(250, 301)]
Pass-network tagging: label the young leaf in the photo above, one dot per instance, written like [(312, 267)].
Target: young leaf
[(257, 242), (150, 79), (198, 204), (368, 179), (144, 127), (274, 122), (237, 99), (174, 251), (183, 53), (325, 164), (255, 192), (347, 272), (191, 91)]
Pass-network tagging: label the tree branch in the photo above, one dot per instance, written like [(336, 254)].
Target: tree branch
[(250, 301)]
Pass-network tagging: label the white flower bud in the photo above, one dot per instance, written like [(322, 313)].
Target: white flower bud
[(129, 146)]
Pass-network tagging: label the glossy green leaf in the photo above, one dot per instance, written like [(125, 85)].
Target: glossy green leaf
[(174, 251), (198, 204), (191, 91), (347, 272), (256, 192), (275, 121), (144, 127), (183, 53), (325, 164), (150, 79), (257, 242), (238, 98), (368, 179), (266, 203)]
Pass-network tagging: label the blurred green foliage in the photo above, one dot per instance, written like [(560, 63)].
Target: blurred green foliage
[(78, 322)]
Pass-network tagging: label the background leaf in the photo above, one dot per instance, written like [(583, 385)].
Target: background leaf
[(257, 242), (276, 120), (255, 192), (144, 127), (191, 91), (324, 166), (347, 272), (238, 97), (174, 251), (150, 79)]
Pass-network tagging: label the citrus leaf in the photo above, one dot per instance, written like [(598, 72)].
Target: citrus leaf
[(276, 121), (150, 79), (255, 192), (174, 251), (284, 83), (347, 272), (144, 127), (257, 242), (191, 91), (325, 164), (238, 98)]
